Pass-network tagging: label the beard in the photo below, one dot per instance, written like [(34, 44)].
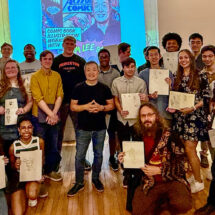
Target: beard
[(152, 128)]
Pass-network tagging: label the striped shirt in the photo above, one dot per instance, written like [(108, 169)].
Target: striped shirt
[(19, 146)]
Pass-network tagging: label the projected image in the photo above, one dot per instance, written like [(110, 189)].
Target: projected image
[(94, 24)]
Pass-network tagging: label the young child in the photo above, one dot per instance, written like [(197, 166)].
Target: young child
[(20, 190)]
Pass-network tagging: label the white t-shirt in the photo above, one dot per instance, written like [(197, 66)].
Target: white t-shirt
[(27, 69)]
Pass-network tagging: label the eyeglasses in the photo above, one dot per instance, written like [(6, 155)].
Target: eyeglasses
[(148, 115)]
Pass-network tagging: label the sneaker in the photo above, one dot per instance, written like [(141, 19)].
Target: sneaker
[(75, 189), (54, 176), (206, 210), (87, 165), (197, 186), (125, 182), (43, 191), (204, 161), (209, 174), (113, 164), (98, 185), (32, 203)]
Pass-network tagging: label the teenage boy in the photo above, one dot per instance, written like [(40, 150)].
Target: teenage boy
[(161, 101), (208, 58), (6, 51), (47, 92), (128, 83), (30, 65), (195, 43), (106, 76), (91, 99), (171, 43)]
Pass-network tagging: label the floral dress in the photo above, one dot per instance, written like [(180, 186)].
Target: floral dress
[(193, 126)]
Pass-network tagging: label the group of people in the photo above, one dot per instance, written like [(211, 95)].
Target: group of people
[(50, 90)]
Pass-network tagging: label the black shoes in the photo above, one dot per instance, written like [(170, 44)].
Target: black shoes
[(87, 165), (125, 182), (113, 163), (75, 189), (206, 210), (98, 185)]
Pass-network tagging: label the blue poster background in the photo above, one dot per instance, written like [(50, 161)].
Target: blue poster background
[(28, 17), (94, 24)]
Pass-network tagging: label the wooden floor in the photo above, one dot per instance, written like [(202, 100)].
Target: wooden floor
[(89, 201)]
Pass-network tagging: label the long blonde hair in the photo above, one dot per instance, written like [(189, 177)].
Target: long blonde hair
[(5, 84)]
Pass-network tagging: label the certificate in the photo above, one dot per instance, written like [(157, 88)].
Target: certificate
[(170, 61), (178, 100), (134, 154), (157, 81), (31, 166), (11, 106), (212, 137), (2, 171), (131, 103)]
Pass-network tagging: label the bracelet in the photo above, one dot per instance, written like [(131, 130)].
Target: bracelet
[(194, 107)]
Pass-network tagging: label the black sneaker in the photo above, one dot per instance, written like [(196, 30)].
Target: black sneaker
[(206, 210), (75, 189), (87, 165), (98, 185), (113, 164)]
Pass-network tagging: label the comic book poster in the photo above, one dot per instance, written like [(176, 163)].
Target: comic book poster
[(94, 24)]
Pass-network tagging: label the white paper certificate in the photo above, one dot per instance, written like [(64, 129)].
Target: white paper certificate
[(2, 173), (11, 106), (31, 166), (134, 154), (178, 100), (131, 103), (157, 81), (170, 61)]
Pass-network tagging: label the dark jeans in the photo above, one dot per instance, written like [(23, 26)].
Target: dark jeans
[(211, 197), (64, 112), (83, 139), (174, 195), (49, 133)]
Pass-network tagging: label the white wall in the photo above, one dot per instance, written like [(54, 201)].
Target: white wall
[(186, 17)]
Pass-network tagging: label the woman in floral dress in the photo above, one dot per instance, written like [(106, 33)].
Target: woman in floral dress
[(191, 123)]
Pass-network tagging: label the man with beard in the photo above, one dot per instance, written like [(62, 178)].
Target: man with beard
[(163, 178)]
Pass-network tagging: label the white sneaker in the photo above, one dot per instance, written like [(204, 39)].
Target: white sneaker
[(209, 174), (32, 203), (196, 187)]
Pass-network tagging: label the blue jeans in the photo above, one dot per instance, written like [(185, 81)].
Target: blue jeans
[(3, 204), (83, 139), (49, 133)]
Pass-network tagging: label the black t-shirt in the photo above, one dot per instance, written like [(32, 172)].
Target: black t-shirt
[(71, 70), (84, 94)]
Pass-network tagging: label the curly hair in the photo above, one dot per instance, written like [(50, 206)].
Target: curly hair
[(160, 123), (193, 82), (5, 84), (171, 36)]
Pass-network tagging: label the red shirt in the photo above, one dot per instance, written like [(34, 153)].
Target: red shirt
[(155, 157)]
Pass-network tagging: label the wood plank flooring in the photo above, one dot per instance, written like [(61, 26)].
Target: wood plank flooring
[(89, 201)]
